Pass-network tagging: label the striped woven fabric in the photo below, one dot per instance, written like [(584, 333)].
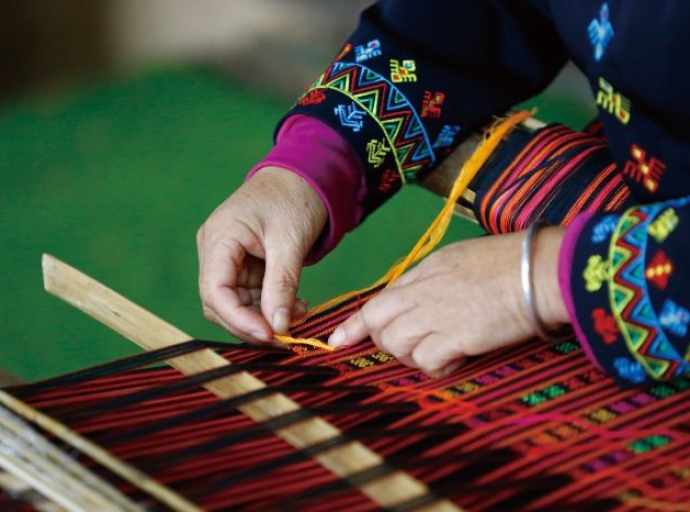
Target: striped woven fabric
[(534, 427), (553, 175)]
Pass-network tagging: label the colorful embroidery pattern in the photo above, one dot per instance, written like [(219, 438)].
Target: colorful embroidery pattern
[(350, 116), (368, 51), (403, 71), (613, 102), (605, 325), (383, 101), (674, 318), (664, 225), (312, 98), (446, 137), (600, 32), (630, 301), (643, 171), (659, 270), (431, 105), (377, 151), (596, 273), (604, 229), (388, 180)]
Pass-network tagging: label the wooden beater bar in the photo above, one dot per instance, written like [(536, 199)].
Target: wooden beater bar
[(151, 332)]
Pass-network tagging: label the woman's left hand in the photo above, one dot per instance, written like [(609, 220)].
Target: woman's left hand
[(463, 300)]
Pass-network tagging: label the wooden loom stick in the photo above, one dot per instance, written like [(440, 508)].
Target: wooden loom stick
[(32, 468), (151, 332), (27, 455), (19, 464)]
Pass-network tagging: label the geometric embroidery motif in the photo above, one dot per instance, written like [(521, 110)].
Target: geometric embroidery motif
[(664, 225), (392, 111), (377, 150), (605, 325), (600, 32), (613, 102), (403, 71), (630, 302), (431, 105), (446, 137), (369, 51), (646, 172), (674, 318), (350, 116), (603, 230), (659, 270)]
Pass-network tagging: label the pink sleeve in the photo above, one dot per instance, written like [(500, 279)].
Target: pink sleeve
[(318, 154), (565, 262)]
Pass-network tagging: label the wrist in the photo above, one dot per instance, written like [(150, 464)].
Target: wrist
[(545, 263)]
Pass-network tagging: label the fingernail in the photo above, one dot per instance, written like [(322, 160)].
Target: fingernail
[(337, 339), (261, 336), (281, 320)]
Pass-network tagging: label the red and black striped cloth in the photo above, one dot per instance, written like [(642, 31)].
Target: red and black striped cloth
[(552, 175), (532, 427)]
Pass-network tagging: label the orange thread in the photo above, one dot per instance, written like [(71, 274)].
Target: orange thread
[(288, 340), (431, 238)]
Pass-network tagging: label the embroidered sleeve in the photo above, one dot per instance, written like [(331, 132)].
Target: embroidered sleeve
[(629, 283), (416, 77)]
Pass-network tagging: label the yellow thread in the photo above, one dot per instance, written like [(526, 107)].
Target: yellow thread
[(288, 340), (431, 238)]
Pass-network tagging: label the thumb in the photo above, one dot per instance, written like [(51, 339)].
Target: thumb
[(281, 280)]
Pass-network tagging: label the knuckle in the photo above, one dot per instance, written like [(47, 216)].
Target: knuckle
[(286, 283)]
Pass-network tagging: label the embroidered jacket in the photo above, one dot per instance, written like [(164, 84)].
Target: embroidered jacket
[(416, 77)]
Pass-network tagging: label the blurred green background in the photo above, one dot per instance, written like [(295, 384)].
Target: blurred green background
[(115, 174)]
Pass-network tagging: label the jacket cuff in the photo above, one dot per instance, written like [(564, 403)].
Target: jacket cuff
[(565, 264), (614, 298)]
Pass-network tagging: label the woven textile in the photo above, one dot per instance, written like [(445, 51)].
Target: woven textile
[(534, 427), (553, 175)]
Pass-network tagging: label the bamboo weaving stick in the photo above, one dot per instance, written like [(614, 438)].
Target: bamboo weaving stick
[(151, 332)]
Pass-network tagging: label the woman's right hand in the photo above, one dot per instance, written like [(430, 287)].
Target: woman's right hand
[(251, 251)]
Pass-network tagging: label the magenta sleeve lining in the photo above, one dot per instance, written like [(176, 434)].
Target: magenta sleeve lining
[(565, 263)]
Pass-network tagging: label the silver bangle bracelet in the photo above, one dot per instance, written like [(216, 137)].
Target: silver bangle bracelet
[(528, 285)]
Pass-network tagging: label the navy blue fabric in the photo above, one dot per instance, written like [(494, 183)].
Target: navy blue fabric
[(464, 61)]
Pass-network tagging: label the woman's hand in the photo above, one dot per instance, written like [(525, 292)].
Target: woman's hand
[(463, 300), (251, 251)]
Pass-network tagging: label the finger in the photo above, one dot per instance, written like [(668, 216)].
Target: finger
[(372, 319), (217, 284), (299, 310), (401, 336), (437, 355), (251, 275), (243, 321), (211, 316), (350, 332), (280, 284)]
